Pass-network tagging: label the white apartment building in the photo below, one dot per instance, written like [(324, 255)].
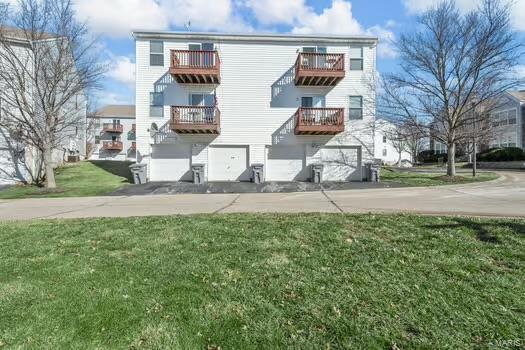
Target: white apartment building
[(228, 101), (508, 122), (386, 147), (112, 133), (20, 161)]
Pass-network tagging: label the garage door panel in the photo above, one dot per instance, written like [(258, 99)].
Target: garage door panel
[(341, 163), (228, 163), (170, 163), (286, 163)]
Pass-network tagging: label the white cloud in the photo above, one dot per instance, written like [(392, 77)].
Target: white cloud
[(337, 19), (204, 14), (278, 11), (117, 18), (517, 13), (122, 70), (104, 98), (386, 47)]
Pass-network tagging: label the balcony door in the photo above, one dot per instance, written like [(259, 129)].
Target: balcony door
[(204, 107), (199, 58), (314, 61), (312, 115), (317, 101)]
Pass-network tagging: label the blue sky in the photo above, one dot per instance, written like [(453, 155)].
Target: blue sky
[(115, 19)]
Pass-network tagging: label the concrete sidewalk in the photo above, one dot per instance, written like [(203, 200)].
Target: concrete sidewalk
[(503, 197)]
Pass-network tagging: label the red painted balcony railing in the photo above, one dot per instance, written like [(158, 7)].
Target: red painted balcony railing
[(112, 145), (195, 67), (319, 121), (110, 127), (319, 69), (195, 119)]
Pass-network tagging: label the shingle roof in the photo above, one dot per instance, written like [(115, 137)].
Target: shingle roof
[(20, 34), (116, 111), (520, 95)]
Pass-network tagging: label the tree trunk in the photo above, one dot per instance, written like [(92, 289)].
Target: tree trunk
[(399, 163), (451, 162), (50, 172)]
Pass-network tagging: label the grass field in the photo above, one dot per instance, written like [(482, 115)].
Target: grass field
[(432, 179), (262, 282), (93, 178)]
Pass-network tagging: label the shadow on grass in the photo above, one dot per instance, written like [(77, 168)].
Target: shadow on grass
[(118, 168), (483, 230)]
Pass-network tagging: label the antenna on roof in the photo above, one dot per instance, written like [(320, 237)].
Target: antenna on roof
[(187, 26)]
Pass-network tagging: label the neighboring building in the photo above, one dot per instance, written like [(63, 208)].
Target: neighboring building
[(228, 101), (18, 161), (508, 122), (386, 147), (112, 133)]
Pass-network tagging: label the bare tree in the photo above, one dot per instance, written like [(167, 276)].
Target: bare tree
[(47, 67), (453, 69)]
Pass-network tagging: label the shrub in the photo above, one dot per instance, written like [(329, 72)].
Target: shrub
[(506, 154), (429, 156)]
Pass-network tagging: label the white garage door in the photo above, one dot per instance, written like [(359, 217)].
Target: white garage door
[(286, 163), (170, 163), (341, 163), (228, 163)]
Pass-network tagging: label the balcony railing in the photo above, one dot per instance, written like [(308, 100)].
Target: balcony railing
[(195, 67), (195, 119), (112, 145), (110, 127), (319, 69), (319, 121)]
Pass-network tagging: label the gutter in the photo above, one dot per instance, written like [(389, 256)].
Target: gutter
[(251, 37)]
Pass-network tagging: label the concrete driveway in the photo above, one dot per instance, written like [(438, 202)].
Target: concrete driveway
[(503, 197)]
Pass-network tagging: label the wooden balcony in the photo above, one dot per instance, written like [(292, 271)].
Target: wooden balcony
[(195, 120), (195, 67), (319, 69), (110, 127), (319, 121), (112, 145)]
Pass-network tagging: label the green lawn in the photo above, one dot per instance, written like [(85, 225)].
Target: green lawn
[(82, 179), (262, 281), (432, 179)]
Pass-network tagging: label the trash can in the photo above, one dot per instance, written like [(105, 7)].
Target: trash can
[(258, 173), (198, 173), (373, 172), (138, 170), (317, 173)]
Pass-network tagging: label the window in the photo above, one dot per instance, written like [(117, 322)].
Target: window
[(307, 101), (384, 152), (512, 116), (356, 58), (156, 53), (97, 139), (384, 139), (356, 107), (156, 108)]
